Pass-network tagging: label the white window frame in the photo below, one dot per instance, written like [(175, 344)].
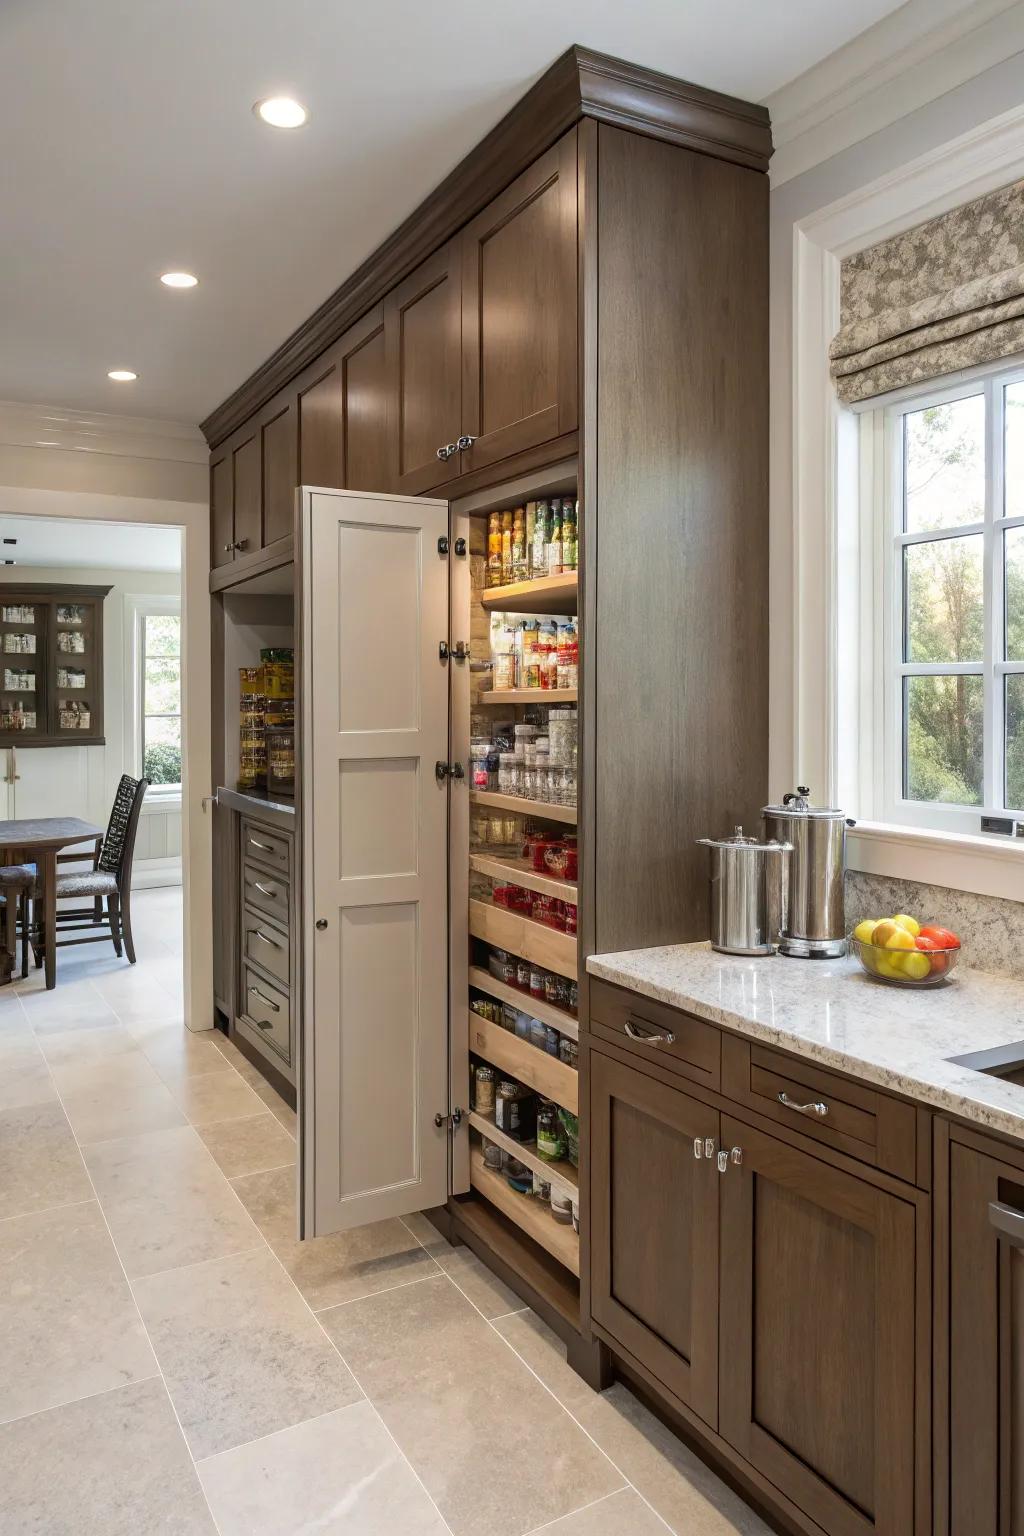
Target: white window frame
[(138, 609), (882, 511)]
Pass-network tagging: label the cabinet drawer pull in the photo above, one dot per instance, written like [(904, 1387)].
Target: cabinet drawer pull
[(816, 1107), (254, 842), (648, 1036), (265, 999), (265, 890), (264, 1024), (1007, 1221), (266, 938)]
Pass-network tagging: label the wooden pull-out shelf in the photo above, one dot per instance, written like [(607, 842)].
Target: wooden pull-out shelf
[(532, 941), (521, 872), (543, 810), (550, 1077), (483, 981), (548, 594), (560, 1175), (553, 696), (531, 1215)]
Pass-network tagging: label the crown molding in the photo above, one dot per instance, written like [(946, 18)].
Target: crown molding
[(579, 84), (60, 427), (909, 58)]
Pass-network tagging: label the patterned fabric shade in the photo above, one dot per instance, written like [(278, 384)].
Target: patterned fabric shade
[(943, 296)]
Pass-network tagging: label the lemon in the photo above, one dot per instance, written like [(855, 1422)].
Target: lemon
[(911, 924), (886, 966), (865, 929), (890, 935), (916, 965)]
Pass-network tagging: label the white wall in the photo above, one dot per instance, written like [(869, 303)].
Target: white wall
[(80, 781)]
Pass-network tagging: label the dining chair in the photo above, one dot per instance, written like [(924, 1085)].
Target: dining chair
[(16, 882), (109, 880)]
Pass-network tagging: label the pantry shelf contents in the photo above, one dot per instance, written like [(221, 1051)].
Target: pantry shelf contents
[(543, 595), (524, 937), (559, 1174), (521, 872), (528, 696), (519, 1059), (545, 1012), (531, 1215), (539, 808), (51, 678), (536, 540)]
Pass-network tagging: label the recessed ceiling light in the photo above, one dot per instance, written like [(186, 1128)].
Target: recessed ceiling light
[(281, 112), (122, 375), (178, 279)]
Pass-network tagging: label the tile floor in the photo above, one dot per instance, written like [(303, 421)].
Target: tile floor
[(172, 1360)]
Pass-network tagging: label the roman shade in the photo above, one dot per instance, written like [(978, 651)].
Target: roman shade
[(946, 295)]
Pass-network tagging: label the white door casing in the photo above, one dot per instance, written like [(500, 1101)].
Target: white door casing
[(374, 722)]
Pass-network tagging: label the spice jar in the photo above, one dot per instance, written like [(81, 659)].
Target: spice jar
[(484, 1079), (551, 1038), (551, 1143), (538, 978), (541, 1188), (543, 771), (492, 1155), (561, 1209), (522, 979), (519, 1176), (509, 782), (515, 1110), (482, 773), (502, 966), (562, 737), (537, 1035), (523, 734)]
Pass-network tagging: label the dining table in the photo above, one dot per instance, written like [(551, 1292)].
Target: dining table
[(38, 840)]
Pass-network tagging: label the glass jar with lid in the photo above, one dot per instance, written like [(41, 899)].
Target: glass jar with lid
[(543, 777), (509, 775), (551, 1142), (562, 737), (484, 1079), (515, 1110)]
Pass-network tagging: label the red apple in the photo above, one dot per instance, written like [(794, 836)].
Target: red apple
[(934, 951), (942, 936)]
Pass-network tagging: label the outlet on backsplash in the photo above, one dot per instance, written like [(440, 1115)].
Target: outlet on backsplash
[(991, 928)]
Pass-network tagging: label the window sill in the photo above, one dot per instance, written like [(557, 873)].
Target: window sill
[(988, 866), (157, 805)]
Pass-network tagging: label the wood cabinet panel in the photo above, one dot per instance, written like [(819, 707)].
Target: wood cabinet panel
[(221, 509), (654, 1228), (279, 446), (519, 333), (819, 1330), (320, 461), (248, 505), (423, 338), (643, 1026), (365, 445), (986, 1345)]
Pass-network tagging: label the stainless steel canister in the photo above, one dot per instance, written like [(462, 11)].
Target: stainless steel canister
[(814, 926), (748, 884)]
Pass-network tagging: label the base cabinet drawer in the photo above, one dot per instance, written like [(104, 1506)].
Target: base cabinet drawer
[(657, 1033), (265, 847), (265, 893), (265, 945), (268, 1012)]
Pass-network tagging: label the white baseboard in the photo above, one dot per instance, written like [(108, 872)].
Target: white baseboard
[(147, 874)]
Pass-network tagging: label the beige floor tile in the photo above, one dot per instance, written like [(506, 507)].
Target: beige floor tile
[(216, 1096), (684, 1492), (621, 1514), (178, 1053), (240, 1351), (24, 1074), (328, 1270), (253, 1145), (70, 1047), (118, 1075), (68, 1324), (484, 1289), (57, 1012), (443, 1384), (167, 1202), (115, 1107), (40, 1164), (340, 1475), (113, 1465)]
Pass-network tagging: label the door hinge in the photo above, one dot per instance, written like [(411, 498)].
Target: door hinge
[(460, 547), (442, 649), (442, 544), (460, 650), (452, 1121), (444, 771)]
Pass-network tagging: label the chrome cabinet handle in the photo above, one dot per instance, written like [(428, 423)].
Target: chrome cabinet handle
[(464, 442), (254, 842), (447, 451), (816, 1107), (698, 1147), (735, 1156), (651, 1036), (240, 544), (265, 890), (228, 548), (265, 999), (266, 938), (709, 1146)]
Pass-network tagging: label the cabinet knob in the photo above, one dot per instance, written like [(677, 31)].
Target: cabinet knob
[(228, 548), (447, 451), (321, 923), (464, 442)]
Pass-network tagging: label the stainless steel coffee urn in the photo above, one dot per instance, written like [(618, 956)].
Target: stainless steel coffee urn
[(814, 926), (748, 885)]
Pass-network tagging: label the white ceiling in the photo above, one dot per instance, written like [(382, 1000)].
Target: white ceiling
[(130, 148), (70, 542)]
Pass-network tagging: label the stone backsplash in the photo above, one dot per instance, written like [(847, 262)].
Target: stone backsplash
[(990, 928)]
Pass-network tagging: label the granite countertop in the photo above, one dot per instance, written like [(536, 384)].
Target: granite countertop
[(832, 1012)]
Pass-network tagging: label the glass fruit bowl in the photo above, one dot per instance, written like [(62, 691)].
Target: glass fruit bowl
[(884, 964)]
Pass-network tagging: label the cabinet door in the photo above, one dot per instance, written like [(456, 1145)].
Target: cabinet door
[(279, 453), (221, 508), (375, 858), (654, 1228), (319, 401), (365, 445), (519, 336), (422, 330), (986, 1346), (248, 505), (817, 1381)]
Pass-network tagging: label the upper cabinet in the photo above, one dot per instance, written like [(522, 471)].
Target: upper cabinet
[(422, 329), (519, 335)]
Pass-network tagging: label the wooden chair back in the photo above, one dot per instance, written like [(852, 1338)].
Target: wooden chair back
[(118, 848)]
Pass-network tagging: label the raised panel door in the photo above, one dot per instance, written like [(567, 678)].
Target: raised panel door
[(818, 1329), (279, 447), (519, 299), (423, 339), (221, 509), (654, 1228), (365, 445), (319, 403), (248, 507), (986, 1346)]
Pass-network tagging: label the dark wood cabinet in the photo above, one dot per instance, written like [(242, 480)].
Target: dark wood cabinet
[(279, 465), (221, 508), (983, 1493), (423, 334), (654, 1228), (819, 1333), (248, 498), (365, 445), (519, 335), (52, 684)]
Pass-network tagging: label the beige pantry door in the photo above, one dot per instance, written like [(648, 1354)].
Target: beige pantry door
[(374, 713)]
